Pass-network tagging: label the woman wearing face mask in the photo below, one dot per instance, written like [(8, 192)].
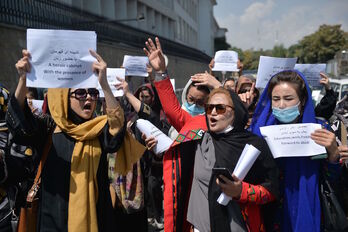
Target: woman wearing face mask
[(287, 99), (74, 181)]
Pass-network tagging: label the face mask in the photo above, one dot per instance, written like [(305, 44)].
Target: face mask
[(286, 115), (193, 109)]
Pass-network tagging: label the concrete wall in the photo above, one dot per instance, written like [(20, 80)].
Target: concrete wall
[(13, 40)]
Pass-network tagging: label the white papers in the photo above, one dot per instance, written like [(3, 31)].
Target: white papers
[(291, 140), (311, 72), (149, 129), (135, 65), (111, 74), (246, 160), (226, 61), (36, 104), (61, 58), (268, 66)]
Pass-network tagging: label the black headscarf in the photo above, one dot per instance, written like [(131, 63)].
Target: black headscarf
[(228, 148)]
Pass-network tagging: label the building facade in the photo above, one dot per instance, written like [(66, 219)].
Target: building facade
[(189, 22)]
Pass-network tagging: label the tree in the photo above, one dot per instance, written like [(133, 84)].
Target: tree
[(279, 51), (322, 45)]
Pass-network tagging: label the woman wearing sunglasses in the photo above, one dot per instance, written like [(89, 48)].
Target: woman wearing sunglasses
[(74, 181)]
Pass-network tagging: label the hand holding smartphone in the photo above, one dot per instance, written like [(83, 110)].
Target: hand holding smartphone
[(222, 171)]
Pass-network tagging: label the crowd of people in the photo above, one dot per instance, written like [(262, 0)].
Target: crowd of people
[(100, 173)]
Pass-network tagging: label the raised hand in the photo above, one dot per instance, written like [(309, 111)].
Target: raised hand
[(122, 85), (23, 65), (206, 79), (248, 97), (99, 67), (155, 55), (325, 81)]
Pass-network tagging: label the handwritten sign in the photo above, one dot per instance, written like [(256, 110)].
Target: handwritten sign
[(311, 72), (268, 66), (291, 140), (135, 65), (111, 74), (61, 58), (225, 60)]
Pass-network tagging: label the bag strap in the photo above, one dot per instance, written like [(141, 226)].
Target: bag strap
[(34, 189)]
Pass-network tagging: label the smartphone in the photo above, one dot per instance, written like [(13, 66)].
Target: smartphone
[(222, 171)]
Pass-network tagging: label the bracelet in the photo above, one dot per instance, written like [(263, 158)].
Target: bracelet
[(161, 76)]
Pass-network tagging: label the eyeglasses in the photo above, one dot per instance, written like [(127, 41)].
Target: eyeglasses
[(220, 108), (81, 94)]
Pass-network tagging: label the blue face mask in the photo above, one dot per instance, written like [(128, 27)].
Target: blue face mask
[(193, 109), (286, 115)]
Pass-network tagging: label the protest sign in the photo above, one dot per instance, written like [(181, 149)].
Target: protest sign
[(135, 65), (225, 61), (311, 72), (149, 129), (111, 74), (268, 66), (61, 58), (291, 140)]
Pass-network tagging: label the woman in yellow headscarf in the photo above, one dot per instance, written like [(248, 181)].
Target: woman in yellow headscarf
[(74, 182)]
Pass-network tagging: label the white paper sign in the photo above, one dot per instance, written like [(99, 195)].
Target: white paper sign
[(149, 129), (225, 60), (268, 66), (111, 74), (292, 140), (135, 65), (61, 58), (245, 162), (311, 72), (36, 104)]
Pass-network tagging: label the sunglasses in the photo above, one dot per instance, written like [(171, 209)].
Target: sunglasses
[(220, 108), (81, 94)]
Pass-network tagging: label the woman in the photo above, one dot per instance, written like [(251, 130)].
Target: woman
[(222, 146), (74, 182), (287, 99)]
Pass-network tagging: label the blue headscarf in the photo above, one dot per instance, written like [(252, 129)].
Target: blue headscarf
[(301, 205)]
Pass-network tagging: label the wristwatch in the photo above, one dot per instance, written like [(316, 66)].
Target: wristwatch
[(161, 76)]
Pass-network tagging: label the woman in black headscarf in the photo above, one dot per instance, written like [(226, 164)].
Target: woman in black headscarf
[(222, 146)]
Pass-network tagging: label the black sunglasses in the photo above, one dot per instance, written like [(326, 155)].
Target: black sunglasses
[(81, 94), (220, 108)]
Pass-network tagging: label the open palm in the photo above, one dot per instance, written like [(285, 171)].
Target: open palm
[(155, 55)]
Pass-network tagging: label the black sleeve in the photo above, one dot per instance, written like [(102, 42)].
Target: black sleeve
[(327, 105), (147, 113), (27, 129), (113, 143)]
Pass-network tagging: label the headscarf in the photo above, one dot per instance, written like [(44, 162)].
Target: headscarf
[(228, 148), (301, 206), (4, 96), (83, 192)]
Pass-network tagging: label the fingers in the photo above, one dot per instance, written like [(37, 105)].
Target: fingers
[(252, 89), (323, 75), (151, 44), (147, 53), (96, 55), (158, 44), (120, 79), (25, 53)]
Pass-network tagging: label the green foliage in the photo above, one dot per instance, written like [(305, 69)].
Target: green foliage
[(322, 45), (318, 47)]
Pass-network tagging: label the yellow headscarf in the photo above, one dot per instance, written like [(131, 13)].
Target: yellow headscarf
[(83, 194)]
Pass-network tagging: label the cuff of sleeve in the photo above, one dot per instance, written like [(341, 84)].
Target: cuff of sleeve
[(161, 76), (244, 194), (115, 119)]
